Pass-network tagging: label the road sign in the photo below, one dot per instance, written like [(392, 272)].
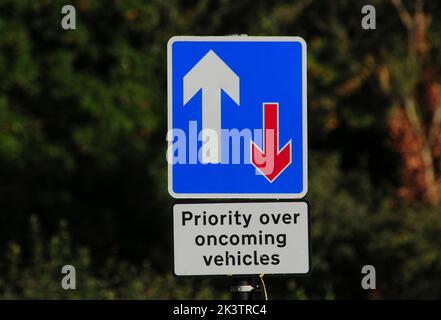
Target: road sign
[(237, 117), (241, 238)]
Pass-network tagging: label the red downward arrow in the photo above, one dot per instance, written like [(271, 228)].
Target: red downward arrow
[(271, 162)]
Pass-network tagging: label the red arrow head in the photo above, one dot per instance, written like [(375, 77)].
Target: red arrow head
[(271, 162)]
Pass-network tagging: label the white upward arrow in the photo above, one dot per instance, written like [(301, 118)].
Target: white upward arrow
[(211, 75)]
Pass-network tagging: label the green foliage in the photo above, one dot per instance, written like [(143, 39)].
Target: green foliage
[(40, 276), (405, 245), (82, 130)]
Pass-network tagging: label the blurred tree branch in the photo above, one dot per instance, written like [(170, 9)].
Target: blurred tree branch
[(424, 117)]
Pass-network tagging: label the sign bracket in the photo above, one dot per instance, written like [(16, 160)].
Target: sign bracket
[(241, 288)]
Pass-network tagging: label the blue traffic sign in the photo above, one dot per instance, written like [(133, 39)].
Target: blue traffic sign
[(237, 117)]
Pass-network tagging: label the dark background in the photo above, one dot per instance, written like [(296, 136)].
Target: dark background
[(82, 145)]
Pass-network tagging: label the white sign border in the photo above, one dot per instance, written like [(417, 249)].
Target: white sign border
[(304, 118)]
